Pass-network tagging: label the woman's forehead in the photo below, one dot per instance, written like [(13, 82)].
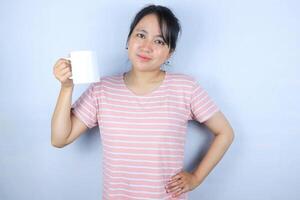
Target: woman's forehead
[(149, 24)]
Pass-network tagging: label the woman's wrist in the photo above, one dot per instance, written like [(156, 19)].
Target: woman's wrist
[(198, 178), (67, 89)]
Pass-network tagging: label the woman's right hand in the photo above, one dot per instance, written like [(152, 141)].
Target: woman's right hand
[(62, 71)]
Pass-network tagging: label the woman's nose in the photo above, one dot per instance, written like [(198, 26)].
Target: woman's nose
[(147, 45)]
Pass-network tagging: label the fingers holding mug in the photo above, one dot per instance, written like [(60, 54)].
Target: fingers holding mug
[(63, 71)]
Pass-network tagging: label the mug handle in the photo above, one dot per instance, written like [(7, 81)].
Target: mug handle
[(68, 58)]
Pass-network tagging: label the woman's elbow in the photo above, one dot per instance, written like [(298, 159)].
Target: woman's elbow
[(230, 135)]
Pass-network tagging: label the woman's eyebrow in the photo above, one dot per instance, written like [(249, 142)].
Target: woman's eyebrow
[(142, 30)]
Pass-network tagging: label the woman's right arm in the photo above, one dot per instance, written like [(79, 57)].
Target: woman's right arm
[(65, 127)]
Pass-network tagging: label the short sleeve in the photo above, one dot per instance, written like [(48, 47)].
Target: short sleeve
[(201, 104), (85, 107)]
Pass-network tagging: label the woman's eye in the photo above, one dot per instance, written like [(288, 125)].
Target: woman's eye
[(160, 42), (140, 35)]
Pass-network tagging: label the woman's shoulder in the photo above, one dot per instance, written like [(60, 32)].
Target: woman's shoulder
[(107, 81), (111, 78), (176, 76)]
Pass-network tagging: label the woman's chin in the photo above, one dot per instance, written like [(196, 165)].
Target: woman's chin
[(143, 68)]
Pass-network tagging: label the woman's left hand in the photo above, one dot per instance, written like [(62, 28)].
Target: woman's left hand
[(181, 183)]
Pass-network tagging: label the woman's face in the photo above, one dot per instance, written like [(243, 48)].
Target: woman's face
[(147, 50)]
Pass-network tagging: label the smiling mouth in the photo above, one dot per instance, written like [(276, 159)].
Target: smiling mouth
[(144, 58)]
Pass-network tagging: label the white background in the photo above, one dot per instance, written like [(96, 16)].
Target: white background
[(244, 53)]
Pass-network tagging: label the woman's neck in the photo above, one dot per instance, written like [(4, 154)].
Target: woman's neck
[(144, 78)]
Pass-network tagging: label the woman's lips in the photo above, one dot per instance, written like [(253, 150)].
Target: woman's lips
[(144, 58)]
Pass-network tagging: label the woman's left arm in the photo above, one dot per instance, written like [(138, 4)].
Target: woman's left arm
[(185, 181)]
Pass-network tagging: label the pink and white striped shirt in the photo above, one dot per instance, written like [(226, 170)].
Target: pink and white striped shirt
[(143, 136)]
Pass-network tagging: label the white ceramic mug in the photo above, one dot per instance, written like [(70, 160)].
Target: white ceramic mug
[(84, 66)]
